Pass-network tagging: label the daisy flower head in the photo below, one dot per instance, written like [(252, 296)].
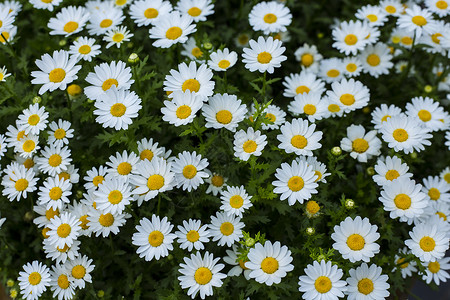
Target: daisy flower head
[(269, 263), (434, 40), (182, 108), (367, 283), (113, 195), (275, 115), (84, 48), (198, 10), (153, 238), (439, 7), (406, 268), (436, 189), (300, 137), (216, 183), (309, 57), (60, 133), (263, 55), (222, 60), (94, 177), (437, 271), (171, 28), (225, 228), (117, 108), (374, 15), (361, 145), (355, 239), (270, 17), (105, 223), (34, 279), (64, 230), (201, 274), (239, 265), (352, 66), (146, 12), (417, 20), (382, 113), (190, 78), (27, 146), (302, 83), (349, 94), (48, 4), (116, 36), (224, 111), (309, 104), (427, 242), (427, 112), (61, 284), (70, 20), (3, 145), (376, 59), (56, 71), (122, 164), (391, 7), (248, 143), (148, 149), (189, 170), (331, 69), (105, 76), (54, 160), (79, 271), (4, 73), (349, 38), (151, 178), (33, 119), (18, 181), (390, 169), (235, 200), (192, 51), (192, 235), (322, 281), (405, 134), (295, 182), (81, 211), (101, 20), (242, 39), (445, 175), (6, 18)]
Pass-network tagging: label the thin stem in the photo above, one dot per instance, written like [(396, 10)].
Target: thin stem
[(264, 87), (225, 81), (159, 204)]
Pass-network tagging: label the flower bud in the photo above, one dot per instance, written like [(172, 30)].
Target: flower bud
[(207, 45), (370, 171), (428, 88), (28, 217), (37, 99), (349, 203), (133, 59), (336, 151), (321, 257), (413, 155), (250, 242), (310, 231), (62, 43), (100, 293)]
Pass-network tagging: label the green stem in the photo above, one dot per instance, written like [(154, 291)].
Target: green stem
[(225, 82), (159, 204), (264, 87)]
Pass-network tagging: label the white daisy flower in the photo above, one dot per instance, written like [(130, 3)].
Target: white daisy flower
[(148, 149), (33, 119), (382, 113), (235, 201), (416, 19), (116, 36), (61, 255), (192, 235), (201, 274), (320, 169), (18, 181), (216, 183), (122, 164), (392, 168), (406, 268), (14, 7), (352, 66), (14, 135), (248, 143), (54, 160), (275, 115), (437, 271), (224, 111), (71, 174), (4, 73), (105, 223), (374, 15), (349, 38), (192, 51), (439, 7), (105, 76), (113, 195), (310, 104), (427, 242), (434, 40), (436, 189), (64, 230), (391, 7), (182, 108), (101, 20), (299, 137), (302, 83), (62, 286), (56, 71), (263, 55), (445, 175), (226, 229), (309, 57), (6, 18), (270, 17), (70, 20), (8, 35), (48, 4), (367, 283), (171, 28), (427, 112), (94, 177), (59, 133), (222, 60), (349, 94), (331, 69), (27, 145), (376, 59), (355, 239), (28, 163), (189, 170), (198, 10), (3, 145), (322, 281), (146, 12), (154, 238), (45, 215), (79, 271), (239, 265), (296, 182), (361, 145), (34, 280), (84, 48)]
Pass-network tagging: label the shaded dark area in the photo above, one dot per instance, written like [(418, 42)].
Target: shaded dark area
[(423, 291)]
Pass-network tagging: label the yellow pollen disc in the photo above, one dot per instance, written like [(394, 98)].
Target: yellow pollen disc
[(57, 75), (115, 197), (323, 284), (351, 67), (333, 73), (334, 108), (146, 154), (84, 222), (419, 20), (70, 26), (400, 262), (108, 83), (424, 115), (64, 249), (236, 201), (50, 213), (118, 110), (447, 177), (442, 4), (74, 89), (151, 13), (192, 236), (372, 18), (28, 146), (217, 180), (106, 220), (295, 183), (64, 175), (400, 135), (402, 201), (44, 232), (312, 207), (34, 278), (270, 18), (249, 146), (226, 228), (427, 244), (224, 117), (351, 39), (242, 264), (319, 175), (392, 174), (4, 34), (78, 271), (64, 230), (302, 89), (197, 52), (203, 276), (33, 120), (406, 40), (264, 57), (396, 39), (434, 194), (355, 242), (191, 84), (47, 1), (223, 64), (309, 109), (124, 168), (55, 160), (63, 282), (21, 185), (373, 60), (183, 112), (271, 117), (442, 215), (106, 23), (434, 267), (189, 171), (299, 141), (365, 286), (121, 2), (307, 59), (360, 145), (59, 133), (55, 193), (29, 163), (118, 37), (173, 33), (155, 182), (97, 180), (21, 134), (243, 39), (155, 238), (435, 38), (269, 265), (194, 11), (384, 119), (390, 9)]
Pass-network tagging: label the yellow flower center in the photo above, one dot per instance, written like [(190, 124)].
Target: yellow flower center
[(57, 75), (106, 220), (64, 175), (392, 174), (243, 39), (21, 185), (151, 13), (78, 271), (270, 18), (33, 120), (183, 112), (355, 242), (192, 236), (118, 110), (390, 9), (427, 244), (28, 146), (402, 201), (55, 160), (351, 39), (84, 222), (203, 275), (269, 265), (435, 38), (155, 182), (97, 180), (400, 135), (118, 37), (264, 57), (319, 175), (372, 18), (295, 183), (322, 284), (64, 249), (44, 232), (191, 84), (4, 34), (217, 180), (442, 215), (63, 282), (194, 11), (173, 33), (70, 26), (401, 263), (434, 194), (351, 67), (249, 146), (299, 141), (223, 64), (442, 4), (106, 23), (302, 89), (434, 267), (236, 201), (155, 238), (34, 278), (28, 163), (424, 115), (47, 1), (124, 168), (121, 2), (447, 177), (309, 109), (312, 207), (59, 133), (242, 264), (108, 83), (115, 197), (50, 213), (419, 21), (373, 60), (85, 49), (146, 154), (189, 171), (224, 116), (334, 108), (360, 145), (226, 228), (307, 59), (55, 193), (365, 286), (64, 230), (271, 117), (333, 73)]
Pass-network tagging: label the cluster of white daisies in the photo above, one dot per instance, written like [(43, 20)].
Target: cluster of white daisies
[(325, 88)]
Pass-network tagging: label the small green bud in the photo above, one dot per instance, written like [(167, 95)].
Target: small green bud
[(310, 231), (320, 35), (62, 43), (133, 59), (370, 171), (250, 242), (100, 293), (90, 100), (170, 257), (413, 155), (79, 194), (349, 203), (428, 88), (336, 151), (37, 99), (10, 283), (28, 217), (321, 257), (207, 45)]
